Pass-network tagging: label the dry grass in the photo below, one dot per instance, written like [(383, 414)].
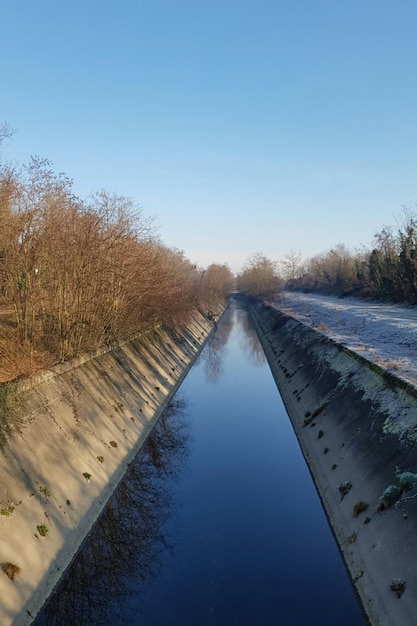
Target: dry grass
[(10, 569), (18, 361)]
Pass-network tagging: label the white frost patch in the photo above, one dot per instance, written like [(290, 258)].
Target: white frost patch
[(383, 333)]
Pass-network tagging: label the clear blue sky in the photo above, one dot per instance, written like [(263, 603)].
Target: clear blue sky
[(242, 126)]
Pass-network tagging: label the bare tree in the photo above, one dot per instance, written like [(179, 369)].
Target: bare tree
[(259, 277), (292, 266)]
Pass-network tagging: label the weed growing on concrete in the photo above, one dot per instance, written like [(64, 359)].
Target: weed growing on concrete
[(398, 586), (406, 480), (326, 450), (8, 510), (319, 409), (366, 520), (45, 491), (344, 488), (10, 414), (359, 507), (118, 406), (10, 569), (308, 419), (100, 459), (351, 538), (320, 435), (87, 476), (389, 497), (113, 444), (42, 530), (334, 466)]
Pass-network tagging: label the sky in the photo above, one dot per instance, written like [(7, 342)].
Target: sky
[(240, 126)]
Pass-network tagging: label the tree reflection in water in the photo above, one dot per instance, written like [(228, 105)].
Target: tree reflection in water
[(124, 545), (250, 344), (215, 349)]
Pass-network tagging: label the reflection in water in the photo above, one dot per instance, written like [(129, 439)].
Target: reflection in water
[(251, 345), (127, 539), (214, 352), (250, 535)]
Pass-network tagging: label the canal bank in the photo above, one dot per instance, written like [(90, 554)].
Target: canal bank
[(217, 521), (83, 424), (357, 427)]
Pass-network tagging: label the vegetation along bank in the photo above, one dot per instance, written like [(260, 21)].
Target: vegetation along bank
[(357, 427)]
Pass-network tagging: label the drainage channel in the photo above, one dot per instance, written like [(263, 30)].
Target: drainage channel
[(217, 521)]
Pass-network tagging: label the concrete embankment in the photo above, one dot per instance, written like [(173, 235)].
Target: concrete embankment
[(357, 427), (84, 423)]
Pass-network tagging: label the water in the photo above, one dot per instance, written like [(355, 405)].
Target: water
[(218, 521)]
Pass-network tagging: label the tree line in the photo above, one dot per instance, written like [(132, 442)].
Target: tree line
[(385, 271), (76, 274)]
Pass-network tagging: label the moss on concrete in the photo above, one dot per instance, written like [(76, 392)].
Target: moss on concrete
[(369, 418)]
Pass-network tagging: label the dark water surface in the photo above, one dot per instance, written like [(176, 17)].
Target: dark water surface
[(218, 521)]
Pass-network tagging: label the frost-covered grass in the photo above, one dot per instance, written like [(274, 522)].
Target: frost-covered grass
[(383, 333)]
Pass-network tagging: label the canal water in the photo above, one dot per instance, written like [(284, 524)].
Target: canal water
[(217, 521)]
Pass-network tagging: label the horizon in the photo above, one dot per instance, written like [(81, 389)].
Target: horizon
[(239, 128)]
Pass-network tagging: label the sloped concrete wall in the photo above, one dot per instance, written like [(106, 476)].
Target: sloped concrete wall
[(356, 424), (85, 422)]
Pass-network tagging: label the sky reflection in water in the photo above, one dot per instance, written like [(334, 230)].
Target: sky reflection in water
[(217, 522)]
